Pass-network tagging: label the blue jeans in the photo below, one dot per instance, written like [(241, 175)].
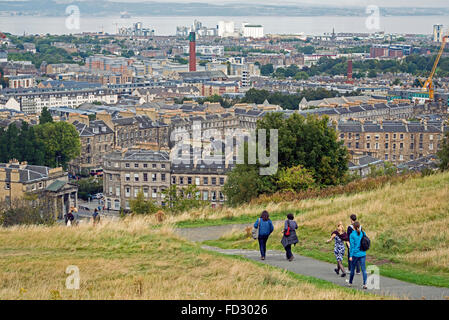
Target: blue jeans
[(358, 261), (263, 245)]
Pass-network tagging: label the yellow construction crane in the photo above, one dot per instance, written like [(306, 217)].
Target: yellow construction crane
[(428, 85)]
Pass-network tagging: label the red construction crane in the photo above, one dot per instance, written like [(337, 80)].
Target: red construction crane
[(2, 35)]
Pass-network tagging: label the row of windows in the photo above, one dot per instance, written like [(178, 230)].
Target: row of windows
[(401, 157), (148, 192), (145, 177), (387, 136), (197, 181), (145, 165), (394, 145)]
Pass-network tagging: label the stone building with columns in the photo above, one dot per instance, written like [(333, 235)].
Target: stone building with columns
[(18, 179)]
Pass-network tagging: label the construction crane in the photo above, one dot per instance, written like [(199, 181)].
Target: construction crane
[(2, 36), (428, 85)]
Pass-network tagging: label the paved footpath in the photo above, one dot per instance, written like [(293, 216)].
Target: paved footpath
[(312, 267)]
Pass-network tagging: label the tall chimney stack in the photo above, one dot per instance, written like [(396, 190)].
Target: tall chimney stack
[(350, 80), (192, 52)]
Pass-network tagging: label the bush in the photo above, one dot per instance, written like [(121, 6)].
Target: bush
[(29, 210)]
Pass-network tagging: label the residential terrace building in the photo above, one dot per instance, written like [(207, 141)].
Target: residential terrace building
[(394, 141)]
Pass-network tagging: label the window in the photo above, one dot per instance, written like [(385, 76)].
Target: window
[(349, 145), (412, 157), (136, 177), (221, 196), (214, 196), (431, 137), (205, 181), (386, 145), (386, 156), (173, 179), (222, 181), (145, 192), (163, 176), (214, 181), (153, 177), (117, 191), (412, 145), (342, 136), (145, 165), (154, 193), (127, 165), (420, 145), (116, 204), (189, 180), (368, 137), (401, 136), (386, 136), (394, 146), (368, 146), (163, 165), (7, 186), (154, 166), (394, 135), (197, 181), (110, 177), (357, 145), (401, 146), (401, 157), (136, 165), (205, 195), (181, 180), (110, 191), (430, 146), (136, 191), (127, 177), (145, 177), (127, 191)]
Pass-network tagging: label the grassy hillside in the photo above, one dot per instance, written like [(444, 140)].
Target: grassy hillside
[(131, 260), (408, 224)]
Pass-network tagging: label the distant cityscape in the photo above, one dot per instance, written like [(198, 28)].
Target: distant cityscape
[(127, 93)]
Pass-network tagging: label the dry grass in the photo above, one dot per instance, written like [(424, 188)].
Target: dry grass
[(130, 260), (407, 223)]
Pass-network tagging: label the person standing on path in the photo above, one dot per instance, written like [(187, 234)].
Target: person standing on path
[(356, 255), (290, 236), (353, 218), (265, 227), (341, 238)]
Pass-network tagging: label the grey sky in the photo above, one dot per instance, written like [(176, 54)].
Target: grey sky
[(385, 3)]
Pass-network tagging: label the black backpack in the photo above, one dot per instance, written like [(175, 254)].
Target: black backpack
[(365, 242)]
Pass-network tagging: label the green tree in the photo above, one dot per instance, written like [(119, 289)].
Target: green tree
[(295, 179), (45, 116), (309, 142), (141, 206), (61, 142), (443, 154), (182, 199)]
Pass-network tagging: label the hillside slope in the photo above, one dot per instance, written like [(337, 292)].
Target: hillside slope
[(130, 260), (408, 224)]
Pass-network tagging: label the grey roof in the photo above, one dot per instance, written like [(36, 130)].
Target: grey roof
[(27, 174)]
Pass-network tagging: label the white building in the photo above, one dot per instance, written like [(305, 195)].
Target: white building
[(252, 30), (33, 101), (438, 33), (226, 29), (207, 50)]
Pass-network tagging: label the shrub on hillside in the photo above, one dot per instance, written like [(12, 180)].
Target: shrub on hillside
[(356, 186)]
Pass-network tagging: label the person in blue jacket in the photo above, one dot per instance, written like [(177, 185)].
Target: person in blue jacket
[(355, 254), (265, 227)]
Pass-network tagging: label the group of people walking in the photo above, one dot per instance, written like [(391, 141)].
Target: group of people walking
[(351, 239)]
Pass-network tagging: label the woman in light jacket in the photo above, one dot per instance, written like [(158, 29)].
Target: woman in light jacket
[(265, 229), (288, 240)]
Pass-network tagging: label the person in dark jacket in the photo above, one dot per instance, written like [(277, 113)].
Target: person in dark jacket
[(292, 238), (265, 227), (353, 218)]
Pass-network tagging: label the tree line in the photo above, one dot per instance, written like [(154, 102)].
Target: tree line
[(49, 143)]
